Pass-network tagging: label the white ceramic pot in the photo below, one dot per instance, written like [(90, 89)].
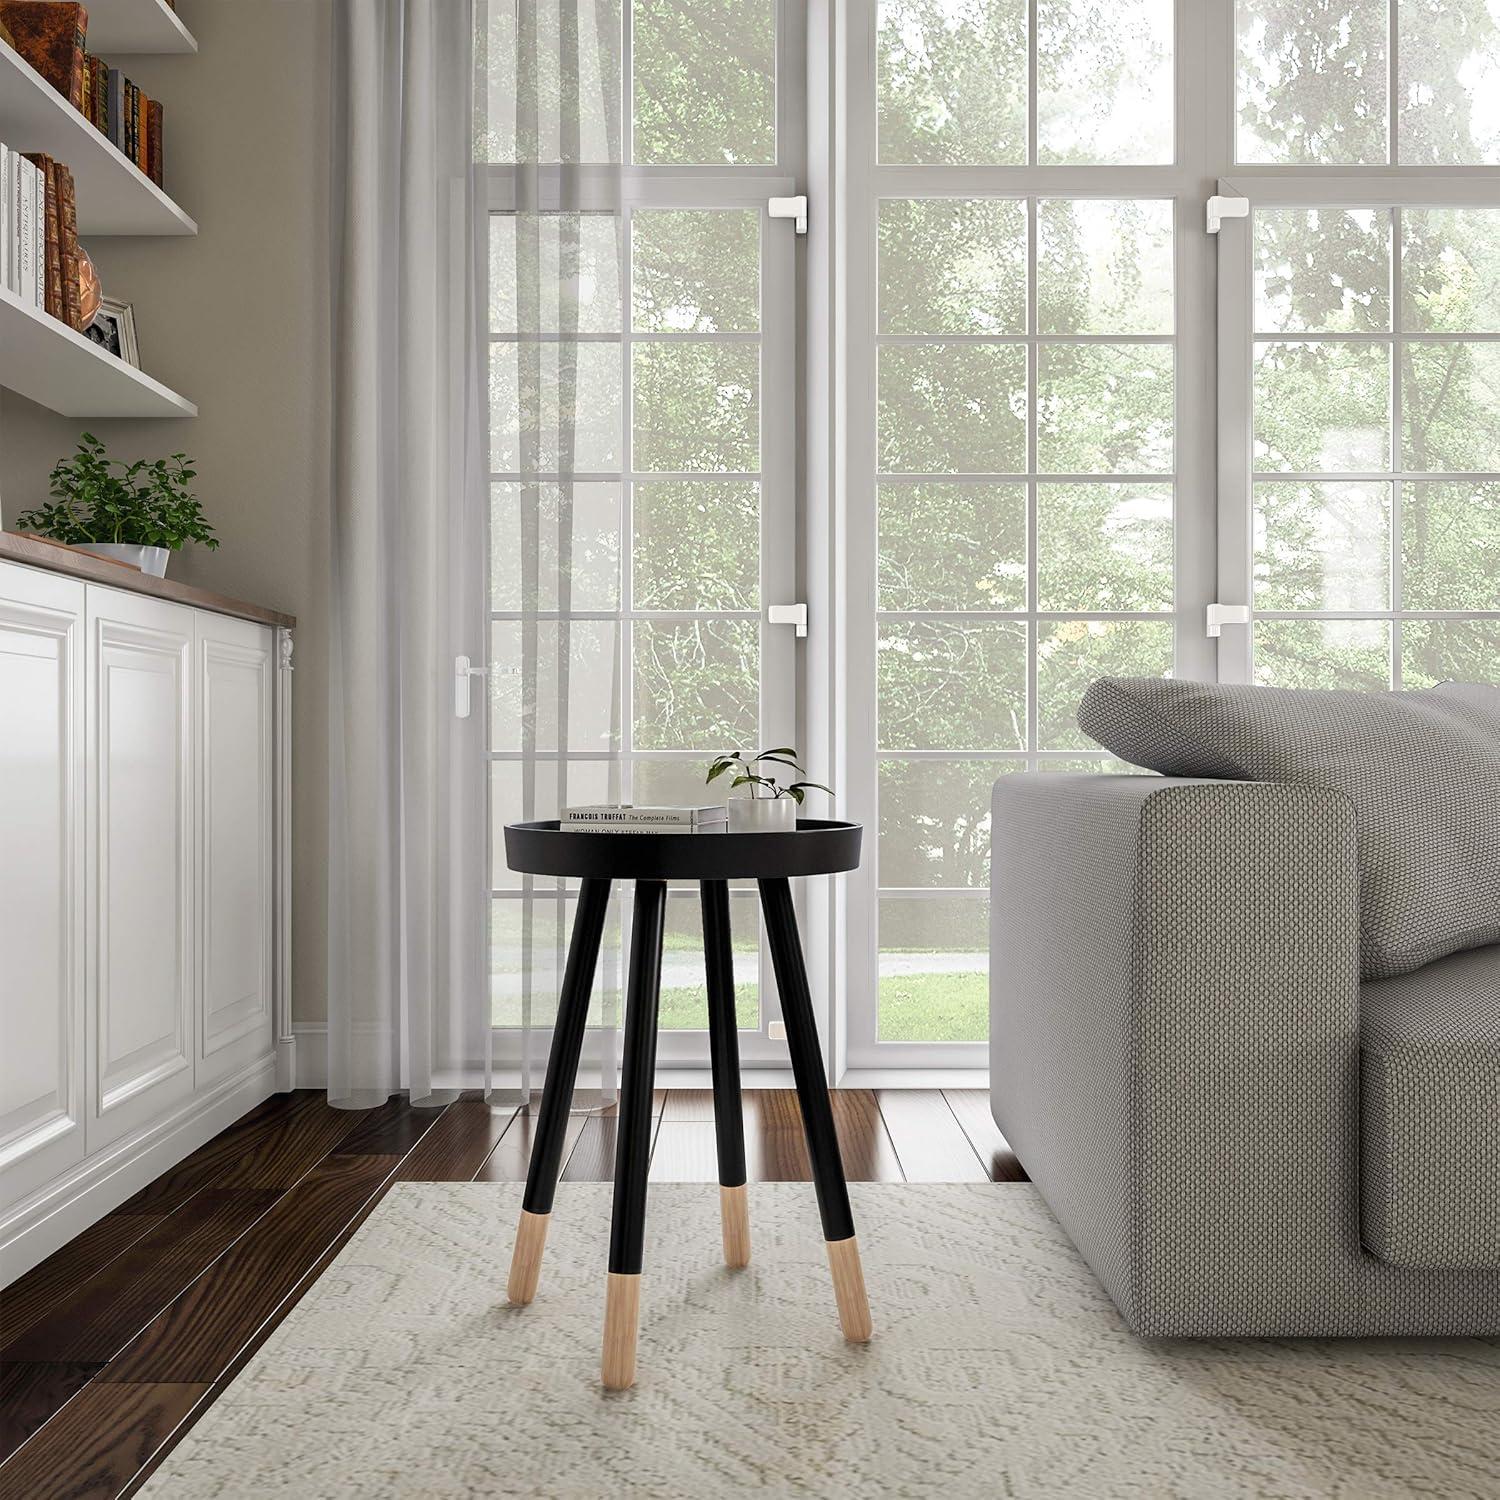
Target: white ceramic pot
[(152, 560), (762, 815)]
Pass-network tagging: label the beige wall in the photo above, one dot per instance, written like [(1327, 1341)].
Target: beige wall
[(237, 320)]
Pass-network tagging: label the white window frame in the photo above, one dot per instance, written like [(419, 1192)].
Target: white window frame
[(1199, 29)]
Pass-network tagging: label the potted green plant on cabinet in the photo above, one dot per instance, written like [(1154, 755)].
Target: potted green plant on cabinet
[(137, 514)]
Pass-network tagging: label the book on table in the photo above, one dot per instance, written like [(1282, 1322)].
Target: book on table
[(625, 818)]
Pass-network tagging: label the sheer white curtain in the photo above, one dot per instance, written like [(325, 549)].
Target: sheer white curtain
[(407, 988), (551, 127)]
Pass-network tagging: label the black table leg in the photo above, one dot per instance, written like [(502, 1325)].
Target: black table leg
[(633, 1143), (557, 1095), (817, 1112), (724, 1058)]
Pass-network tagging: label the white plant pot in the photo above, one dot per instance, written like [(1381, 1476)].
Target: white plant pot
[(762, 815), (152, 560)]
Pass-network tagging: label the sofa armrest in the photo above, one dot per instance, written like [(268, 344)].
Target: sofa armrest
[(1174, 1037)]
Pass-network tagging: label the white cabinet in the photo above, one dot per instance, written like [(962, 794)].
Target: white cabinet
[(234, 813), (142, 932), (141, 804), (41, 879)]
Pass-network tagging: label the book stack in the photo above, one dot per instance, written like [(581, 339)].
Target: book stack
[(52, 36), (39, 260), (23, 221), (628, 819)]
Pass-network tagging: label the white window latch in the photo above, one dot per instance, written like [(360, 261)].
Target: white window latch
[(463, 676), (1220, 208), (790, 208), (1220, 615), (788, 614)]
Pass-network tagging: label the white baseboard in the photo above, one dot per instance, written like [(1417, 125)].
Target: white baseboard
[(66, 1206), (915, 1078)]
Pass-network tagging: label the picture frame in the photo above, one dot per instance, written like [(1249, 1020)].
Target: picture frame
[(113, 329)]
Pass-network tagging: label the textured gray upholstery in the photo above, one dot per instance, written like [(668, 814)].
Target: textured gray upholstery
[(1421, 770), (1430, 1097), (1175, 1054)]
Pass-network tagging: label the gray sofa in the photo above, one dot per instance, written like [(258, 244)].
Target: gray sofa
[(1240, 1136)]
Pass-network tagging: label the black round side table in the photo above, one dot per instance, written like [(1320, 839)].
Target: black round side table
[(712, 859)]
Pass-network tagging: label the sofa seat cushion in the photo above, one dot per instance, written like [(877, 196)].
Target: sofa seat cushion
[(1430, 1107), (1420, 769)]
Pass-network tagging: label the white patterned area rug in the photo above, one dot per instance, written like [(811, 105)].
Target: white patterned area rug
[(998, 1368)]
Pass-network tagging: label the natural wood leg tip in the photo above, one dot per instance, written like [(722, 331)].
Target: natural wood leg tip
[(849, 1289), (526, 1259), (734, 1218), (622, 1311)]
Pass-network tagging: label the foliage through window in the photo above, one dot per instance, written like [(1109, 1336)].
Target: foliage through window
[(1376, 445)]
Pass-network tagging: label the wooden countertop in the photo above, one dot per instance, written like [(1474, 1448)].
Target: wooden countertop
[(14, 547)]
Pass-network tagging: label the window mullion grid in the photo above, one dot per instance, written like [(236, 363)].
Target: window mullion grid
[(1031, 78), (1392, 86), (1032, 755), (1398, 441), (627, 91), (626, 647), (1033, 628)]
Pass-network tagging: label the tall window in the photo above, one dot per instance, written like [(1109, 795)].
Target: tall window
[(1018, 473), (642, 426)]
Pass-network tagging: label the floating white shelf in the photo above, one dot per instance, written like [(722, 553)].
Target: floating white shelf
[(47, 362), (136, 26), (114, 195)]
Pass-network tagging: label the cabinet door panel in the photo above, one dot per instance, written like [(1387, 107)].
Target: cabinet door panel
[(234, 844), (41, 878), (141, 820)]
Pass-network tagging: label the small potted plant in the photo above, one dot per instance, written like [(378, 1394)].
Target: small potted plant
[(137, 514), (770, 807)]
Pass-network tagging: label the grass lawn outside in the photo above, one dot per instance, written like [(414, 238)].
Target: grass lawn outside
[(682, 1009), (926, 995), (942, 1007)]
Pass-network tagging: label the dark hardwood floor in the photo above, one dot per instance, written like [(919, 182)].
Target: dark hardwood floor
[(110, 1348)]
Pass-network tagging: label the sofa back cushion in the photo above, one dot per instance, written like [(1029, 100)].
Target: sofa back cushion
[(1421, 769)]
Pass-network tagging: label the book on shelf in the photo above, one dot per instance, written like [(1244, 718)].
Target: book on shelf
[(625, 818), (98, 111), (153, 140), (67, 234), (50, 35), (23, 216), (51, 238), (114, 108)]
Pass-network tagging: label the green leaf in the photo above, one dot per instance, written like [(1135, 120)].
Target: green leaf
[(811, 786)]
